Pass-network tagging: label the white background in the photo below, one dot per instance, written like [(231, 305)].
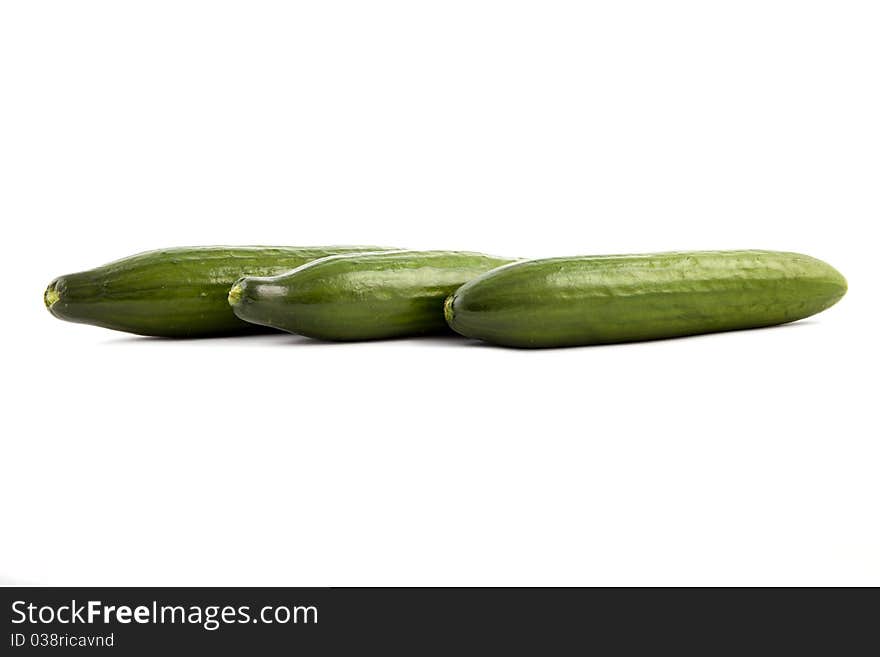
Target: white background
[(515, 128)]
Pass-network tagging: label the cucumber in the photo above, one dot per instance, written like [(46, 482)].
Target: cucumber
[(179, 292), (561, 302), (360, 296)]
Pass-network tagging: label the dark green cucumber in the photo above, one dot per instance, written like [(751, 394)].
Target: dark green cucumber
[(179, 292), (560, 302), (360, 296)]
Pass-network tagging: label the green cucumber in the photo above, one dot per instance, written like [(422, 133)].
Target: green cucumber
[(561, 302), (360, 296), (179, 292)]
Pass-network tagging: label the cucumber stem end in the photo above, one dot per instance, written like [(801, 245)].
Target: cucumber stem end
[(448, 312), (235, 294), (51, 295)]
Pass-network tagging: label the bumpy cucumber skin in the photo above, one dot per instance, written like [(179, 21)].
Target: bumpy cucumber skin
[(361, 296), (178, 292), (563, 302)]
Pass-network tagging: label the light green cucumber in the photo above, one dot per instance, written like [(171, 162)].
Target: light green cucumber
[(360, 296), (560, 302), (178, 292)]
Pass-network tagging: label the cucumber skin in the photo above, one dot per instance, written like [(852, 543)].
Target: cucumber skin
[(178, 292), (563, 302), (361, 296)]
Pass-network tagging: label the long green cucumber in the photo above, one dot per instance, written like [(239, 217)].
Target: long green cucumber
[(561, 302), (360, 296), (179, 292)]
